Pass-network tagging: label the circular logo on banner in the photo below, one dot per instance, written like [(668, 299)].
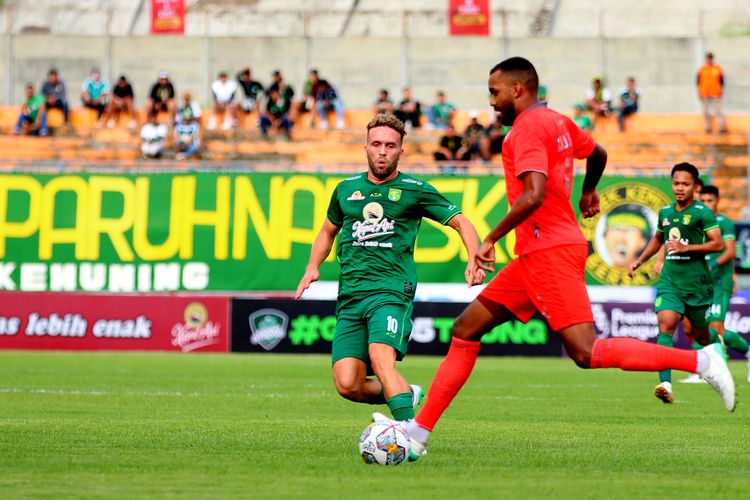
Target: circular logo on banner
[(196, 315), (619, 234)]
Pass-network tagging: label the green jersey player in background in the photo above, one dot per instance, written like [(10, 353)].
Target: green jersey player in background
[(721, 267), (688, 230), (378, 214)]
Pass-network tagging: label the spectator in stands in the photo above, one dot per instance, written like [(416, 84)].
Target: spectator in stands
[(33, 117), (162, 96), (383, 104), (629, 97), (440, 114), (581, 117), (710, 83), (223, 90), (541, 93), (328, 100), (95, 93), (452, 146), (492, 142), (286, 92), (598, 99), (187, 135), (153, 136), (276, 114), (53, 90), (473, 135), (251, 90), (189, 108), (310, 94), (409, 110), (122, 100)]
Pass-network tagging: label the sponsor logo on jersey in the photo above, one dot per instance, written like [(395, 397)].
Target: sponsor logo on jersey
[(665, 222), (394, 194), (628, 221), (413, 181), (268, 327), (373, 225), (376, 195), (356, 195), (686, 219)]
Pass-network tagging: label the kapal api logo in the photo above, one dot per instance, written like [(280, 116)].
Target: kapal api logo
[(374, 223), (268, 327), (196, 331)]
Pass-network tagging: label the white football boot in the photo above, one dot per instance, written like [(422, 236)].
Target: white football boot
[(663, 391), (718, 375)]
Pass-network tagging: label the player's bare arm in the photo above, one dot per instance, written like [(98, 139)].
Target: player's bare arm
[(530, 199), (653, 246), (714, 244), (469, 236), (595, 163), (729, 253), (320, 250)]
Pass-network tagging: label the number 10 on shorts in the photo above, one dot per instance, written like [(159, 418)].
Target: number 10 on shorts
[(391, 328)]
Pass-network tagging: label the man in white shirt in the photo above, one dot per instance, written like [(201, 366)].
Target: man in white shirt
[(223, 91), (153, 137)]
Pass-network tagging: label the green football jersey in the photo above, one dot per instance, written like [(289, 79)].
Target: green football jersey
[(687, 272), (723, 276), (379, 225)]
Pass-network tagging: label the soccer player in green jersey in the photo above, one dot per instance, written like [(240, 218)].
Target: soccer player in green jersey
[(721, 266), (688, 230), (377, 215)]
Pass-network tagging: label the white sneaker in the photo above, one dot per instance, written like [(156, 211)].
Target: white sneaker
[(663, 391), (719, 376), (339, 124), (418, 449), (694, 378), (417, 395)]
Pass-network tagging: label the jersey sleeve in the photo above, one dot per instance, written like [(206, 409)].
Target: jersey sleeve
[(727, 229), (583, 143), (335, 214), (435, 206), (659, 223), (530, 150), (709, 221)]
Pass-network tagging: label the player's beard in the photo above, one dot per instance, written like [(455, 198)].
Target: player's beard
[(385, 171), (507, 113)]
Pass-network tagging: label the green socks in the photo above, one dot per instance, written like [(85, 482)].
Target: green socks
[(736, 342), (401, 406), (666, 340)]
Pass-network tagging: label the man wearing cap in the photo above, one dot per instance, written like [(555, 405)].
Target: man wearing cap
[(162, 96)]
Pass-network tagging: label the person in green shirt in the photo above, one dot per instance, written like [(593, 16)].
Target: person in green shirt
[(376, 216), (440, 114), (581, 118), (688, 230), (33, 112)]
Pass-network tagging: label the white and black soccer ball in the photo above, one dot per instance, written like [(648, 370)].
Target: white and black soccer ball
[(384, 443)]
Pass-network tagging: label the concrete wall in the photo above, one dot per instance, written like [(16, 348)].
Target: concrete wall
[(664, 67)]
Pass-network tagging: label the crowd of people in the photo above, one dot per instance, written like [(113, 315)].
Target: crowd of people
[(278, 107)]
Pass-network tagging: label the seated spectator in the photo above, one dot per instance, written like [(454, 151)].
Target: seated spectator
[(492, 142), (276, 114), (162, 96), (629, 97), (452, 147), (598, 99), (310, 94), (286, 92), (33, 117), (251, 90), (187, 135), (223, 90), (441, 113), (53, 90), (121, 101), (409, 109), (189, 106), (95, 93), (153, 137), (383, 104), (473, 135), (328, 100), (581, 117)]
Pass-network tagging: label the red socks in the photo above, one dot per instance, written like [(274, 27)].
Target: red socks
[(450, 377), (636, 355)]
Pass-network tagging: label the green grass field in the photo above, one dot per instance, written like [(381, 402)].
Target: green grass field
[(257, 426)]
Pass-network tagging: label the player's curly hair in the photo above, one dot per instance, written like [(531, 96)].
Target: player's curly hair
[(390, 121)]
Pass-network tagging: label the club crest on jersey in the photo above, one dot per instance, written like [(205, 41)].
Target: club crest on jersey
[(394, 194), (356, 195), (686, 219)]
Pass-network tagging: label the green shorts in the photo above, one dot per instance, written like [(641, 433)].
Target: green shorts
[(670, 300), (378, 318), (720, 304)]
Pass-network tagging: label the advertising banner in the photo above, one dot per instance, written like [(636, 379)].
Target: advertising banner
[(469, 17), (307, 326), (214, 231), (168, 17), (76, 321)]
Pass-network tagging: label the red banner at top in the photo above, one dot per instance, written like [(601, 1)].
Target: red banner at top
[(469, 17), (168, 17)]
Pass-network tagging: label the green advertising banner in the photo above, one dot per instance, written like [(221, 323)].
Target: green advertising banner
[(253, 232)]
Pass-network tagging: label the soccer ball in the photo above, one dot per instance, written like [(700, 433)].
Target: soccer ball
[(384, 443)]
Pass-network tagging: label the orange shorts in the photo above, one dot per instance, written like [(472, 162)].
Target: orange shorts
[(551, 281)]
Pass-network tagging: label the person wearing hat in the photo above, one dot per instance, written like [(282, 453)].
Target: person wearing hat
[(581, 117), (473, 135), (162, 96), (121, 101)]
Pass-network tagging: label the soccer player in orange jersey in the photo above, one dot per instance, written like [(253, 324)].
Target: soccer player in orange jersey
[(548, 273)]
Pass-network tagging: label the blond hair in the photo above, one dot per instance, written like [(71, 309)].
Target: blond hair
[(390, 121)]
